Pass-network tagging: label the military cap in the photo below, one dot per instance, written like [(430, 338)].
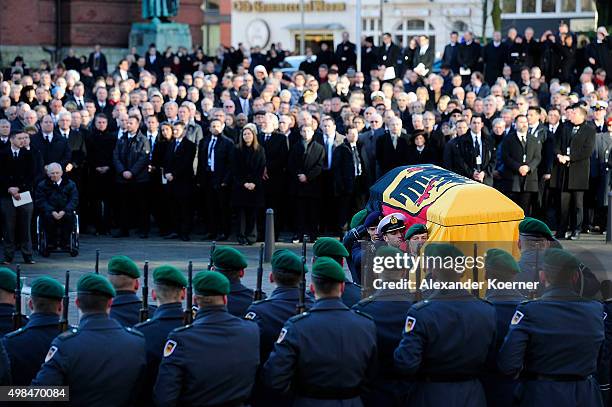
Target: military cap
[(284, 260), (600, 105), (373, 219), (328, 246), (47, 287), (416, 229), (559, 259), (442, 250), (358, 218), (501, 260), (123, 265), (377, 95), (390, 223), (328, 268), (92, 283), (388, 251), (169, 275), (535, 228), (8, 279), (209, 283), (228, 258)]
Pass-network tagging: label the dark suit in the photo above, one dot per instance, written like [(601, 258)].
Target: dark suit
[(368, 141), (329, 216), (108, 111), (426, 59), (98, 64), (51, 197), (514, 155), (493, 58), (344, 176), (101, 146), (468, 56), (179, 163), (78, 155), (58, 150), (277, 152), (468, 160), (449, 57), (482, 92), (389, 56), (387, 157), (345, 56), (214, 182)]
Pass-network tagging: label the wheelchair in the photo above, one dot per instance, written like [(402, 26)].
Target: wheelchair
[(45, 248)]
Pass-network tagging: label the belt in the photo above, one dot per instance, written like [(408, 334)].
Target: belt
[(327, 393), (554, 377), (446, 378)]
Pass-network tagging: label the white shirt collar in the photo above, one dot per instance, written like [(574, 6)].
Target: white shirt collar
[(14, 150)]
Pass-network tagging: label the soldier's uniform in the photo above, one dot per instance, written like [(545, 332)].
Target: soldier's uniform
[(8, 283), (330, 247), (446, 343), (499, 388), (556, 359), (102, 362), (227, 259), (352, 239), (27, 346), (166, 318), (126, 305), (326, 355), (212, 361), (270, 315), (5, 367)]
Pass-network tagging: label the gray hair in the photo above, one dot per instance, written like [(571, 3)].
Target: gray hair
[(54, 166)]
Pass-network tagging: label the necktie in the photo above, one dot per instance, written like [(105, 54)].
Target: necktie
[(150, 141), (16, 154), (523, 140), (356, 161), (176, 145), (476, 147), (575, 130), (394, 141), (211, 153), (267, 137), (476, 90), (49, 138)]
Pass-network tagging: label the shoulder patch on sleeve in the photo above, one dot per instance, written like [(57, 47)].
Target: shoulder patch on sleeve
[(363, 314), (169, 347), (69, 333), (250, 315), (134, 331), (51, 353), (282, 335), (299, 316), (518, 315), (410, 323)]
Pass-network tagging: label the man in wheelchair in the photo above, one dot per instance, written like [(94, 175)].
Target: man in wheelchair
[(56, 199)]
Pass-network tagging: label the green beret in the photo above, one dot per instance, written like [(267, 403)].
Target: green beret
[(210, 283), (328, 246), (559, 259), (228, 258), (501, 260), (388, 251), (123, 265), (8, 279), (47, 287), (358, 218), (169, 275), (286, 261), (328, 268), (442, 250), (536, 228), (92, 283), (416, 229)]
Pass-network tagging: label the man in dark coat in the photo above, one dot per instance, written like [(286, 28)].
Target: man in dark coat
[(391, 148), (78, 149), (389, 54), (424, 54), (468, 56), (345, 54), (571, 173), (521, 155), (477, 153), (97, 62), (54, 149), (449, 56), (493, 57)]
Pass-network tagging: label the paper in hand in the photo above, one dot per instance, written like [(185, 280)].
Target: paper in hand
[(26, 198)]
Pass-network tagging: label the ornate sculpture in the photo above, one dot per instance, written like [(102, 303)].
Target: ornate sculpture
[(160, 9)]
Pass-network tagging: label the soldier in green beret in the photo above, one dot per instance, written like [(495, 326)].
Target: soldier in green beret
[(124, 275), (102, 362), (416, 236), (214, 360), (342, 361), (8, 282), (169, 292), (232, 264), (330, 247), (28, 346)]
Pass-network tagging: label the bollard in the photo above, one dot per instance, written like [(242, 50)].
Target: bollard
[(609, 228), (269, 239)]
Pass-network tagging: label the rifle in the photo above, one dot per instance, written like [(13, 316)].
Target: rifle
[(63, 324), (301, 306), (188, 313), (17, 314), (258, 294), (210, 257), (97, 268), (144, 311)]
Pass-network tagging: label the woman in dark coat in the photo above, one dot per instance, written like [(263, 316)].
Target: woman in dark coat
[(419, 151), (248, 164), (163, 204), (568, 60)]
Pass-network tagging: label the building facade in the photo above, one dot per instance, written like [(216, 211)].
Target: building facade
[(544, 15)]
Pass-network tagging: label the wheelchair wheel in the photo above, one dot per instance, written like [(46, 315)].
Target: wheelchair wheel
[(43, 249), (74, 245)]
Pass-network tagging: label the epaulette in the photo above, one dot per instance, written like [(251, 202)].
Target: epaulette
[(15, 333), (527, 301), (73, 331), (351, 282), (143, 323), (134, 331), (366, 300), (182, 328), (363, 314), (261, 301), (421, 304), (299, 316), (485, 300)]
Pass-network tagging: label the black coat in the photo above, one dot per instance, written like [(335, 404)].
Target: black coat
[(343, 169), (51, 197), (416, 157), (449, 57), (387, 158), (248, 166), (581, 145), (426, 59), (467, 161), (16, 172), (179, 163), (390, 56), (133, 156), (57, 151), (277, 153), (512, 157), (223, 155), (468, 55), (493, 58), (309, 162), (345, 56), (78, 148)]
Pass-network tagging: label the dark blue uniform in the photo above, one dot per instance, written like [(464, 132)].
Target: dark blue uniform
[(6, 319), (351, 294), (605, 364), (271, 315), (210, 362), (5, 367), (126, 308), (28, 346), (555, 341), (239, 299), (101, 361), (327, 355), (388, 309), (499, 388), (446, 343), (166, 318)]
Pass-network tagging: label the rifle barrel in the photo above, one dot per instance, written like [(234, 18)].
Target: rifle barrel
[(66, 300), (144, 311), (258, 294), (210, 257), (17, 313), (97, 267), (188, 313), (301, 307)]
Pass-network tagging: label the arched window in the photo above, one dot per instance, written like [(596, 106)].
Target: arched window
[(460, 26)]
